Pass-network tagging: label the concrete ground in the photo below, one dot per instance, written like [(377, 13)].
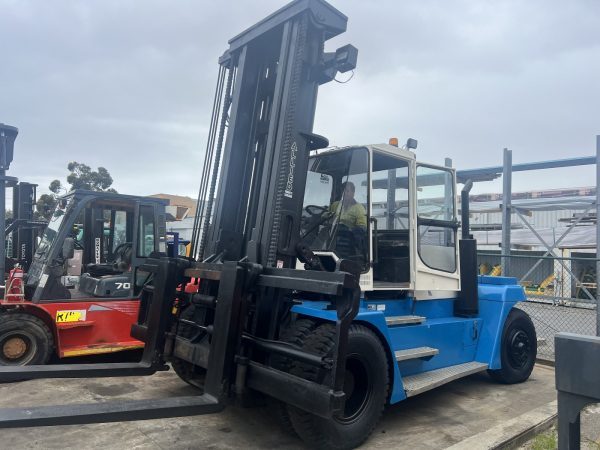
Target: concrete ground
[(436, 419)]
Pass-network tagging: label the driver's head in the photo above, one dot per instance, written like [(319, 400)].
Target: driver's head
[(349, 190)]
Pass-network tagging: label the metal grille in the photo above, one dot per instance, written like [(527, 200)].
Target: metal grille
[(560, 291)]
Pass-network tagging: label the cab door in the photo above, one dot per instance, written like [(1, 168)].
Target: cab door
[(436, 231), (149, 233), (392, 219)]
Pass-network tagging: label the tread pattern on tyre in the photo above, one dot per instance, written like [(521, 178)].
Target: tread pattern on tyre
[(192, 375), (322, 342), (16, 317), (506, 374), (295, 334)]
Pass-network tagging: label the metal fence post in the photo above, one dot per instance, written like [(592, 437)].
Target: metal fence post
[(597, 235), (506, 199)]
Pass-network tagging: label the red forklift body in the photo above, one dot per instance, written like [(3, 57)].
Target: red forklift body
[(86, 327), (78, 296)]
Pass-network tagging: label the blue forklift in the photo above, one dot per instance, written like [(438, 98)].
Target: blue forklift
[(325, 281)]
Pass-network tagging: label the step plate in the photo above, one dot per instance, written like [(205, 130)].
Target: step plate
[(416, 384), (414, 353), (404, 320)]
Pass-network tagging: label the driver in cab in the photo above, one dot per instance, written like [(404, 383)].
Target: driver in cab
[(348, 211)]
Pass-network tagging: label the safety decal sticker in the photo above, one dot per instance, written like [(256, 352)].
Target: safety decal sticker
[(77, 315)]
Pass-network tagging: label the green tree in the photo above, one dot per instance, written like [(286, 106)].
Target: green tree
[(81, 176), (44, 206)]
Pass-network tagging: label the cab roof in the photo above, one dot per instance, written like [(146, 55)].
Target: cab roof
[(79, 193)]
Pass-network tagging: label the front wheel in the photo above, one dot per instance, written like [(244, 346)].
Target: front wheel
[(24, 340), (366, 387), (188, 372), (519, 349)]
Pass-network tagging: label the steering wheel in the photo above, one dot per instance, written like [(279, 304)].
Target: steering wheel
[(122, 255), (315, 210)]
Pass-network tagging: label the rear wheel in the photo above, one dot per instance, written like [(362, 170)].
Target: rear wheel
[(366, 387), (519, 349), (24, 340)]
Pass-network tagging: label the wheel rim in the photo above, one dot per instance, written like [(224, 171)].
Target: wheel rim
[(357, 387), (14, 348), (17, 348), (519, 349)]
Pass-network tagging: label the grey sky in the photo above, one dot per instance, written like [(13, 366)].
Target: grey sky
[(128, 85)]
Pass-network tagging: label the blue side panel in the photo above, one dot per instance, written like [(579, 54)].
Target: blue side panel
[(376, 320), (458, 339), (497, 295)]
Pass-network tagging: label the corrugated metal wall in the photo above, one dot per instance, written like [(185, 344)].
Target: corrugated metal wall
[(538, 219)]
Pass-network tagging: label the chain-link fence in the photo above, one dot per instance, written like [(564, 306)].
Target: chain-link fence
[(561, 292)]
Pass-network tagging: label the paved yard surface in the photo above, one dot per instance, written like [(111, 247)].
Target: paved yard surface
[(433, 420)]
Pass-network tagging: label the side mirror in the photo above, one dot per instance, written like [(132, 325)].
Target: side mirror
[(68, 248)]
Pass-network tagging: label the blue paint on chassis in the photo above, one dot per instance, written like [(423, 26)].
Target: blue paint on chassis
[(458, 339)]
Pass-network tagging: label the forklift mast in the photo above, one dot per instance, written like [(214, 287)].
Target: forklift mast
[(24, 195), (23, 227), (272, 72)]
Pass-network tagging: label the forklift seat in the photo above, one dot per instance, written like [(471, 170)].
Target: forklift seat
[(98, 270), (122, 260), (112, 286)]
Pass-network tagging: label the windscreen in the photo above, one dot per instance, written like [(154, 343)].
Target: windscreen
[(334, 215), (436, 218), (51, 232), (61, 213)]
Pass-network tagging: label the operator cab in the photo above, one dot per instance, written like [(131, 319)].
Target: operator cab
[(92, 243), (395, 217)]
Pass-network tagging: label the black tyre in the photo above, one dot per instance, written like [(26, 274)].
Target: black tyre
[(519, 349), (188, 372), (366, 387), (24, 340), (295, 334)]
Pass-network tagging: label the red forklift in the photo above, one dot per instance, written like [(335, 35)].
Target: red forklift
[(77, 297)]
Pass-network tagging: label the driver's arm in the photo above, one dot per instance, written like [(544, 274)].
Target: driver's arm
[(359, 215), (333, 207)]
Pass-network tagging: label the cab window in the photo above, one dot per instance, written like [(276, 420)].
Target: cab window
[(146, 231), (391, 213), (436, 218)]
